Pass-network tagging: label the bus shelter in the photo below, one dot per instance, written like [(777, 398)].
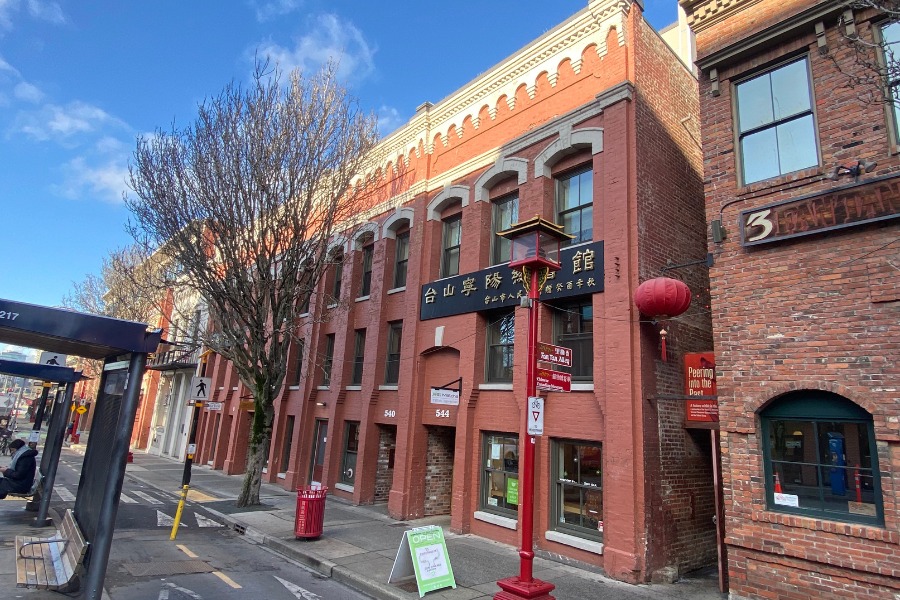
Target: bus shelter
[(56, 429), (123, 347)]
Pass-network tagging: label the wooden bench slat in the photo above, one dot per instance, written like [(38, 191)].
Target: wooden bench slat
[(51, 562)]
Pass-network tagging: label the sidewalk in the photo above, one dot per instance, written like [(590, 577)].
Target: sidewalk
[(359, 543)]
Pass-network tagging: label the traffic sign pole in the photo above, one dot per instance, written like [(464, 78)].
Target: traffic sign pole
[(192, 437)]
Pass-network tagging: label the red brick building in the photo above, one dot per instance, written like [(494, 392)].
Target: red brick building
[(594, 125), (803, 195)]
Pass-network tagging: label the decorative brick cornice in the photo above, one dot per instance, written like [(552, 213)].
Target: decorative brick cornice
[(703, 14), (565, 43)]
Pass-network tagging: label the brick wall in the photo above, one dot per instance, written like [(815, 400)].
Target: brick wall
[(384, 465), (802, 314), (439, 471)]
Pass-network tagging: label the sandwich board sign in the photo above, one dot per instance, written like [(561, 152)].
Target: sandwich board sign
[(423, 554)]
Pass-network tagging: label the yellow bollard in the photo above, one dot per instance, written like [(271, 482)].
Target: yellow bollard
[(184, 493)]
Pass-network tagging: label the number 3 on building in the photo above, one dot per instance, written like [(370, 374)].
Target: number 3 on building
[(758, 219)]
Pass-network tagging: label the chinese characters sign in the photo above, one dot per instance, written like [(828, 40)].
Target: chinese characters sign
[(865, 203), (499, 286), (556, 355)]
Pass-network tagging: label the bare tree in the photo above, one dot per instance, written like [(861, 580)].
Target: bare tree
[(126, 288), (248, 200), (874, 69)]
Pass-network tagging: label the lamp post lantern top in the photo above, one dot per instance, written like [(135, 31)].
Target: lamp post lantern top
[(535, 243)]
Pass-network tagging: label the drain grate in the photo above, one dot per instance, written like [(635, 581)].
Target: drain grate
[(177, 567), (241, 529)]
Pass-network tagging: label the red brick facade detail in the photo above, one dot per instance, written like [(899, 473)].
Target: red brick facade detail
[(624, 108), (818, 312)]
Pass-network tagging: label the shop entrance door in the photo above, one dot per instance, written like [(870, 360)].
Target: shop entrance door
[(318, 456)]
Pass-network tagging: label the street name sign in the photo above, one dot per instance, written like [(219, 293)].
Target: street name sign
[(554, 381), (556, 355)]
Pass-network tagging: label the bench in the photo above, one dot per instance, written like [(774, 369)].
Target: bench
[(52, 563)]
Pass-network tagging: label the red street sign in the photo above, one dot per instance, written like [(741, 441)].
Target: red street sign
[(555, 381), (557, 355)]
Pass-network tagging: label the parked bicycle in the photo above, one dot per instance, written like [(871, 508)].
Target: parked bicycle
[(5, 438)]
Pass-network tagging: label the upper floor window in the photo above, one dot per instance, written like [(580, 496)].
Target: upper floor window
[(775, 122), (500, 337), (359, 350), (890, 37), (366, 285), (575, 205), (573, 326), (452, 240), (297, 372), (506, 212), (328, 360), (392, 366), (401, 259), (336, 276), (820, 459)]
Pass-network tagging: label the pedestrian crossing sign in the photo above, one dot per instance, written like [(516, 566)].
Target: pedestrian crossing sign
[(200, 388)]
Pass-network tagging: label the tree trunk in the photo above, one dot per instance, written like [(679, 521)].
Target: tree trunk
[(257, 452)]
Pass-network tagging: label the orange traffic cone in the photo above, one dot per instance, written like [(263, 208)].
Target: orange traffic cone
[(777, 484)]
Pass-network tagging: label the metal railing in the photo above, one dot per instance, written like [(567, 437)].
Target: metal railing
[(177, 357)]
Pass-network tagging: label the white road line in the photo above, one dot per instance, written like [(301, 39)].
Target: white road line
[(187, 592), (296, 590), (204, 522), (64, 494), (127, 499), (147, 498), (164, 520)]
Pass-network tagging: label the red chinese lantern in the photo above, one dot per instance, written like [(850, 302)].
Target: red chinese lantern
[(662, 298)]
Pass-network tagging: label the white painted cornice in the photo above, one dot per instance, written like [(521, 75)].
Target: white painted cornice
[(566, 42)]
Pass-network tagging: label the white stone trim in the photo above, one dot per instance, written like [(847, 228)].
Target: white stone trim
[(574, 542), (501, 169), (493, 519), (569, 141), (370, 227), (395, 221), (344, 487), (496, 386), (444, 198)]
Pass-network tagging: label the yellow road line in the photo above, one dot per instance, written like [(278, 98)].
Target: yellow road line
[(184, 549), (228, 580)]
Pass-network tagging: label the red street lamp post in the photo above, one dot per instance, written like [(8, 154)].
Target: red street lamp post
[(534, 249)]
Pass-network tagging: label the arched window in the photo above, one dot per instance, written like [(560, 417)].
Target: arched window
[(820, 458)]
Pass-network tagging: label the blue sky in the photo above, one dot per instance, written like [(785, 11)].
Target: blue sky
[(81, 80)]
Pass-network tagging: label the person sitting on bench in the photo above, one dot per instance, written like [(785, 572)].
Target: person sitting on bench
[(19, 477)]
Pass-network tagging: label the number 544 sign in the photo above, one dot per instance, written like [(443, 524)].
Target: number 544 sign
[(535, 415)]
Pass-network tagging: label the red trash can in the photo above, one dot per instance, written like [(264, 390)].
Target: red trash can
[(310, 512)]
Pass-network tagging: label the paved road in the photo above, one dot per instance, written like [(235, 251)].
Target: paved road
[(207, 561)]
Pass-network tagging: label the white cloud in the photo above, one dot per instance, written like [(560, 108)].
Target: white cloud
[(389, 119), (5, 67), (106, 182), (330, 39), (50, 12), (46, 11), (274, 8), (61, 123), (28, 92)]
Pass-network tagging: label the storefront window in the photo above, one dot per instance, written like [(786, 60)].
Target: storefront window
[(820, 458), (578, 482), (500, 481)]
